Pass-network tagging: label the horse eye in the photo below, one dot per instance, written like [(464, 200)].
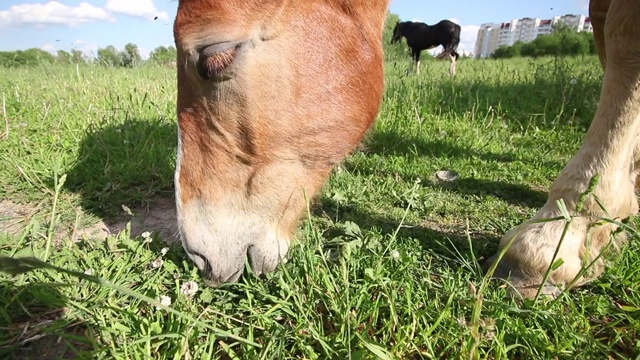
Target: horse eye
[(214, 59)]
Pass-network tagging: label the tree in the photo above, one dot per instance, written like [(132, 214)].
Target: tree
[(109, 56), (528, 50), (571, 43), (29, 57), (505, 52), (393, 51), (588, 38), (163, 55), (546, 45), (77, 57), (63, 57), (563, 41), (130, 56)]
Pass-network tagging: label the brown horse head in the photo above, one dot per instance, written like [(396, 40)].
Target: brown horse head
[(271, 95)]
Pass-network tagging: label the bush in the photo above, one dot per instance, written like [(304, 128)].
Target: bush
[(28, 57)]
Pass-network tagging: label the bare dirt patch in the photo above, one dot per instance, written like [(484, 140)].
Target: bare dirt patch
[(158, 217), (29, 338), (14, 217)]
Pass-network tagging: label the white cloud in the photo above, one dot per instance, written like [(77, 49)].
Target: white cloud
[(138, 8), (49, 48), (468, 36), (55, 13), (52, 13)]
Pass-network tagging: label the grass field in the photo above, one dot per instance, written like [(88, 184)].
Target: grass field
[(386, 261)]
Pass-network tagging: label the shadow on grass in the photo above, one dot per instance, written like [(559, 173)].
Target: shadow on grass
[(124, 164), (387, 143), (515, 194), (391, 143), (433, 238), (34, 324), (130, 164)]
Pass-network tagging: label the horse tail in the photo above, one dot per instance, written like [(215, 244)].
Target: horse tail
[(452, 44), (454, 40)]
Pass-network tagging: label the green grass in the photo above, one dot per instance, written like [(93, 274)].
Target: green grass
[(385, 264)]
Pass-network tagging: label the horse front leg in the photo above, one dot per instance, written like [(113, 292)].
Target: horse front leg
[(452, 67), (416, 59), (611, 150)]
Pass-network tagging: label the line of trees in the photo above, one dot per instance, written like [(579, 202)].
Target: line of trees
[(563, 41), (25, 57), (108, 56)]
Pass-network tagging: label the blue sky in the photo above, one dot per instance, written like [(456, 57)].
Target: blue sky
[(89, 24)]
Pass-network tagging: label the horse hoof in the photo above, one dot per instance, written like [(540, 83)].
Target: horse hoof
[(520, 283)]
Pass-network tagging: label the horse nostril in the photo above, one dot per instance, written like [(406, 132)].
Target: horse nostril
[(216, 58)]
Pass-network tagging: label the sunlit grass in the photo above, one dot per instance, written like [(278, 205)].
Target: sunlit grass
[(385, 264)]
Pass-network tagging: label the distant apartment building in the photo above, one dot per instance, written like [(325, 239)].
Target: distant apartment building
[(487, 40), (491, 36)]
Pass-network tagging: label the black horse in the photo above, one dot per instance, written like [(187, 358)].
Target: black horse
[(421, 36)]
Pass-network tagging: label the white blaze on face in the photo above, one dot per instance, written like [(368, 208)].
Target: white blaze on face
[(218, 237), (176, 180)]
